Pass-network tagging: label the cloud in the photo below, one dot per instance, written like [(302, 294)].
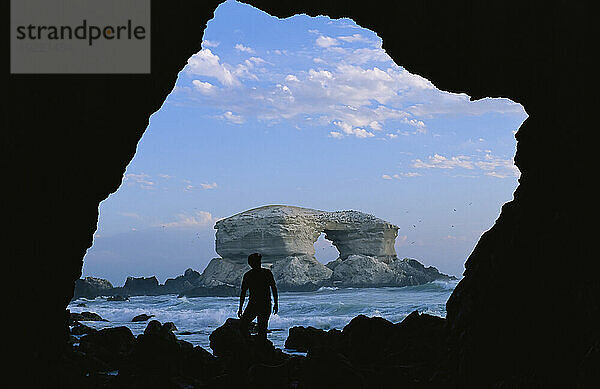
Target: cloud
[(348, 129), (391, 136), (207, 43), (232, 118), (498, 167), (335, 135), (165, 176), (203, 87), (205, 63), (193, 220), (399, 176), (140, 180), (438, 161), (353, 38), (490, 165), (245, 49), (212, 185), (326, 41)]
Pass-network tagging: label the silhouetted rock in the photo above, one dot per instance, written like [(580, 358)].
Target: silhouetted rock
[(158, 357), (85, 316), (240, 352), (81, 305), (141, 286), (313, 340), (91, 287), (82, 329), (169, 326), (211, 291), (142, 317), (188, 280), (109, 344)]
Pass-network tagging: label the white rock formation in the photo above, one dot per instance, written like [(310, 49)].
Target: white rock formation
[(280, 231), (285, 237)]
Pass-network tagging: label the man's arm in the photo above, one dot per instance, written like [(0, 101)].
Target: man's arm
[(275, 296), (242, 295)]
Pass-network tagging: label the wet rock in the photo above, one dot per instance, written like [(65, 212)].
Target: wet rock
[(141, 286), (82, 329), (241, 352), (212, 291), (85, 316), (91, 287), (109, 344), (169, 326), (312, 340), (188, 280), (142, 317)]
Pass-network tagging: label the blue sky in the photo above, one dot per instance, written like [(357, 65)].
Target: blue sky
[(309, 112)]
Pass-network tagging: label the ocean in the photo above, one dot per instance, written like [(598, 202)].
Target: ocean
[(325, 308)]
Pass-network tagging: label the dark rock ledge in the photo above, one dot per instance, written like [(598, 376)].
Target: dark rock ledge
[(370, 352)]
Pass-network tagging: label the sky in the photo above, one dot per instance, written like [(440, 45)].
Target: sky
[(309, 112)]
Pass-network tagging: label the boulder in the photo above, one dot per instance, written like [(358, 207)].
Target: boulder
[(211, 291), (158, 357), (189, 279), (240, 352), (300, 273), (142, 317), (223, 272), (313, 340), (85, 316), (109, 344), (82, 329), (141, 286), (91, 287)]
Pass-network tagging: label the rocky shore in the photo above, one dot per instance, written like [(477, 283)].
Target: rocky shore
[(369, 352)]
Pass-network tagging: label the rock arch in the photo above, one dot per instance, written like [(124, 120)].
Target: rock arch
[(280, 231)]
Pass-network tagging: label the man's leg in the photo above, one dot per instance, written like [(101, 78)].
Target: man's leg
[(248, 315), (263, 322)]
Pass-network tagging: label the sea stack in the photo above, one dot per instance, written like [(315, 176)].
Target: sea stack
[(285, 236)]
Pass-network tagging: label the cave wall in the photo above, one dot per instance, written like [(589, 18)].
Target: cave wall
[(524, 310)]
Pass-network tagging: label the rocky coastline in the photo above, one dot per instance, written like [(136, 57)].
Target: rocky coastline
[(285, 236), (367, 352)]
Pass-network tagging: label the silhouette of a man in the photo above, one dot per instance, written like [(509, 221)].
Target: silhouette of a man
[(260, 282)]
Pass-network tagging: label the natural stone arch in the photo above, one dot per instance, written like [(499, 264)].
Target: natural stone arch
[(279, 231)]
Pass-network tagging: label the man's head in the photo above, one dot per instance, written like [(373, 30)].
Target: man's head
[(254, 260)]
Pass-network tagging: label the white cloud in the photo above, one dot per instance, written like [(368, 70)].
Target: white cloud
[(326, 41), (194, 220), (232, 118), (335, 135), (291, 77), (353, 38), (386, 177), (245, 49), (212, 185), (490, 165), (142, 180), (207, 43), (205, 63), (203, 87), (391, 136), (165, 176), (440, 162)]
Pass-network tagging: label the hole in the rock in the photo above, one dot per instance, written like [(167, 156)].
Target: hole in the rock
[(325, 251), (308, 112)]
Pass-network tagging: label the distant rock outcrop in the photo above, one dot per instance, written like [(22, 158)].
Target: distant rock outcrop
[(141, 286), (92, 287), (285, 236)]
